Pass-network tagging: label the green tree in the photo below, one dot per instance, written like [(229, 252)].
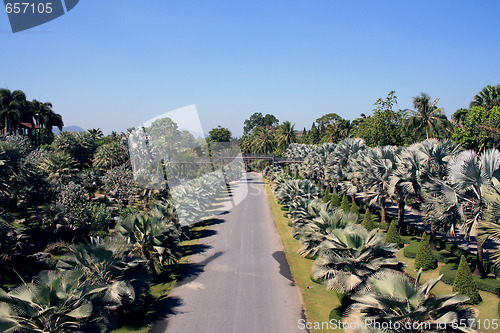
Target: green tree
[(368, 221), (478, 129), (354, 207), (427, 116), (464, 284), (326, 195), (425, 259), (13, 108), (263, 140), (488, 98), (335, 199), (258, 120), (344, 205), (392, 235), (219, 134), (286, 135)]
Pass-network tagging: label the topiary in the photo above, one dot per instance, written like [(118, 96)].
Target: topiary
[(334, 199), (368, 221), (354, 207), (425, 258), (464, 284), (326, 195), (392, 235), (344, 205)]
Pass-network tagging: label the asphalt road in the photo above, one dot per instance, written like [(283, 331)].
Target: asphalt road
[(240, 282)]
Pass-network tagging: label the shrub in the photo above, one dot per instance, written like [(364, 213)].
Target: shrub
[(326, 195), (392, 235), (334, 199), (344, 205), (425, 258), (464, 284), (368, 221), (410, 251), (354, 207), (491, 285)]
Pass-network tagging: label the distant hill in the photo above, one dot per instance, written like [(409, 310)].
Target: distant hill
[(68, 129)]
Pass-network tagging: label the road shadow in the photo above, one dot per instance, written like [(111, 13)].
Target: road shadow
[(189, 250), (167, 308), (280, 257)]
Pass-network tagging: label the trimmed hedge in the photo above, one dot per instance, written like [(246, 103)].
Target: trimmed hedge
[(410, 250), (392, 235), (491, 285), (425, 258), (464, 283), (368, 221), (344, 205)]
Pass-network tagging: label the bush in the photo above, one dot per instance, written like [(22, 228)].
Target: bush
[(410, 251), (425, 258), (354, 207), (344, 205), (464, 284), (326, 195), (368, 221), (334, 199), (392, 235), (491, 285)]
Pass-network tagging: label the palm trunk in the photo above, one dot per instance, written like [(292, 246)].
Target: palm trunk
[(432, 239), (479, 262), (401, 217), (382, 213)]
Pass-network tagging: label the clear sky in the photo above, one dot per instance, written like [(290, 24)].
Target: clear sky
[(116, 63)]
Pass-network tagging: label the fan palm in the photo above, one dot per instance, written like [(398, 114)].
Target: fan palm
[(55, 302), (350, 256), (427, 115), (490, 225), (59, 167), (109, 261), (394, 302)]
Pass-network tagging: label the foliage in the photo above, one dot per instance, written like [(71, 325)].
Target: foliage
[(326, 195), (257, 120), (368, 221), (54, 302), (344, 205), (464, 283), (335, 199), (428, 117), (478, 128), (119, 184), (354, 207), (59, 168), (392, 235), (405, 300), (110, 155), (425, 259), (219, 134)]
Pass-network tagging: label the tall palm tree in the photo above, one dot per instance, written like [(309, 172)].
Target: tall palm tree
[(396, 303), (487, 98), (286, 134), (427, 115), (13, 108)]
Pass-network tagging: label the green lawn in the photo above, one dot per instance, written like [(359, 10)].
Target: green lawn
[(316, 300), (487, 308)]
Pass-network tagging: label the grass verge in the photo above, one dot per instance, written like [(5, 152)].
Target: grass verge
[(316, 300)]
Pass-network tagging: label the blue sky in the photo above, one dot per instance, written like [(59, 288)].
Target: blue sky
[(116, 63)]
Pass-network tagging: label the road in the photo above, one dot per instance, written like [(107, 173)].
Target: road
[(241, 282)]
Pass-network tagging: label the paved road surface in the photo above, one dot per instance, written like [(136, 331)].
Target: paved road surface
[(242, 282)]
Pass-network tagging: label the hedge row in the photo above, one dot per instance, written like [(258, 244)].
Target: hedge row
[(487, 284)]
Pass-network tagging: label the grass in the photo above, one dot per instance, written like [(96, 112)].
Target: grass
[(316, 300), (487, 308), (161, 290)]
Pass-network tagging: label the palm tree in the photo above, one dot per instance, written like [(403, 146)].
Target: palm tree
[(286, 134), (55, 302), (110, 155), (427, 115), (263, 141), (13, 108), (487, 98), (396, 303), (490, 225), (109, 261), (350, 256), (459, 116), (59, 167)]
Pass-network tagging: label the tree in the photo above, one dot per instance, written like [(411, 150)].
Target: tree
[(263, 141), (490, 225), (257, 120), (464, 284), (219, 134), (394, 299), (351, 255), (335, 199), (478, 128), (368, 221), (425, 259), (60, 168), (344, 205), (326, 195), (286, 134), (13, 107), (110, 155), (392, 235), (427, 116), (55, 302), (487, 98)]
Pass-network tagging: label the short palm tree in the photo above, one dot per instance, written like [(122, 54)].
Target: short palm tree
[(59, 167), (427, 115), (55, 302), (350, 256), (400, 304)]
